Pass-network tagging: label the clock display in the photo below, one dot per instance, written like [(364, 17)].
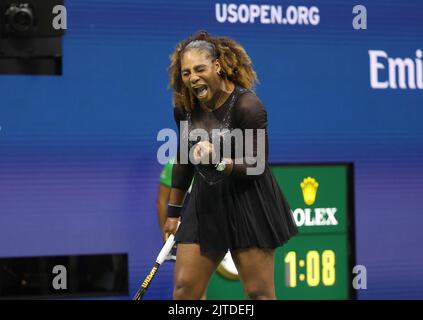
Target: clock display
[(320, 269)]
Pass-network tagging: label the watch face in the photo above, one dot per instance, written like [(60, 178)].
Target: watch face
[(221, 166)]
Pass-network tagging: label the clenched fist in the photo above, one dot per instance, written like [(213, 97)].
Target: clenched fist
[(204, 153)]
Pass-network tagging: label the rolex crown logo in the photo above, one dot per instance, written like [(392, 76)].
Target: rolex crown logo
[(309, 188)]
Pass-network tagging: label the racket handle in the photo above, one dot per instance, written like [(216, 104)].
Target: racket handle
[(170, 242), (167, 247)]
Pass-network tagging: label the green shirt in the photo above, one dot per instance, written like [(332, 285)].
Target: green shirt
[(166, 175)]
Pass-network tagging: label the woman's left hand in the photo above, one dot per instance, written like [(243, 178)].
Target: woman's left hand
[(204, 152)]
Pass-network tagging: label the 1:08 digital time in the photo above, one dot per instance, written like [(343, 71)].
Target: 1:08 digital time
[(319, 268)]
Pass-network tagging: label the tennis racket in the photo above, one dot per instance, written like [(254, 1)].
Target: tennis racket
[(167, 247)]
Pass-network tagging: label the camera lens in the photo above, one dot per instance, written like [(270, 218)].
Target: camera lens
[(20, 17)]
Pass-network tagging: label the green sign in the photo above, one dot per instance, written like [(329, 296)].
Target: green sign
[(317, 263)]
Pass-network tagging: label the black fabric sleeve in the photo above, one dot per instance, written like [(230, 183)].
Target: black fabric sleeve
[(181, 173), (250, 114)]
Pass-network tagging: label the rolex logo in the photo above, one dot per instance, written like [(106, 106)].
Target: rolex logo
[(309, 188)]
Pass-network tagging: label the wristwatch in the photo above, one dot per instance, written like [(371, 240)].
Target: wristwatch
[(221, 165)]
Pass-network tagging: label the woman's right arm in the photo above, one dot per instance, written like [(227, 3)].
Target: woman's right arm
[(182, 174)]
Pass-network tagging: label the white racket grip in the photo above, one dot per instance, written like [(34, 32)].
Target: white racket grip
[(167, 247)]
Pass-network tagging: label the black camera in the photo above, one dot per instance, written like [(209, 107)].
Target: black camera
[(19, 18), (30, 43)]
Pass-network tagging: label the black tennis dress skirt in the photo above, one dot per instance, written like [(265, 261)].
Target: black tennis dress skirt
[(236, 213)]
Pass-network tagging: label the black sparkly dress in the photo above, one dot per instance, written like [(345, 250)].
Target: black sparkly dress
[(236, 211)]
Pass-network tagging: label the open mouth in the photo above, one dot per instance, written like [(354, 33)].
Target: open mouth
[(200, 91)]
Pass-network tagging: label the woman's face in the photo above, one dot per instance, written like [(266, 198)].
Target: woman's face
[(200, 74)]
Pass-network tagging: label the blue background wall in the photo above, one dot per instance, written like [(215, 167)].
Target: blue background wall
[(78, 168)]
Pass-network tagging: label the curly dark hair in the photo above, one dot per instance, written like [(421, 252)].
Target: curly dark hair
[(235, 63)]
